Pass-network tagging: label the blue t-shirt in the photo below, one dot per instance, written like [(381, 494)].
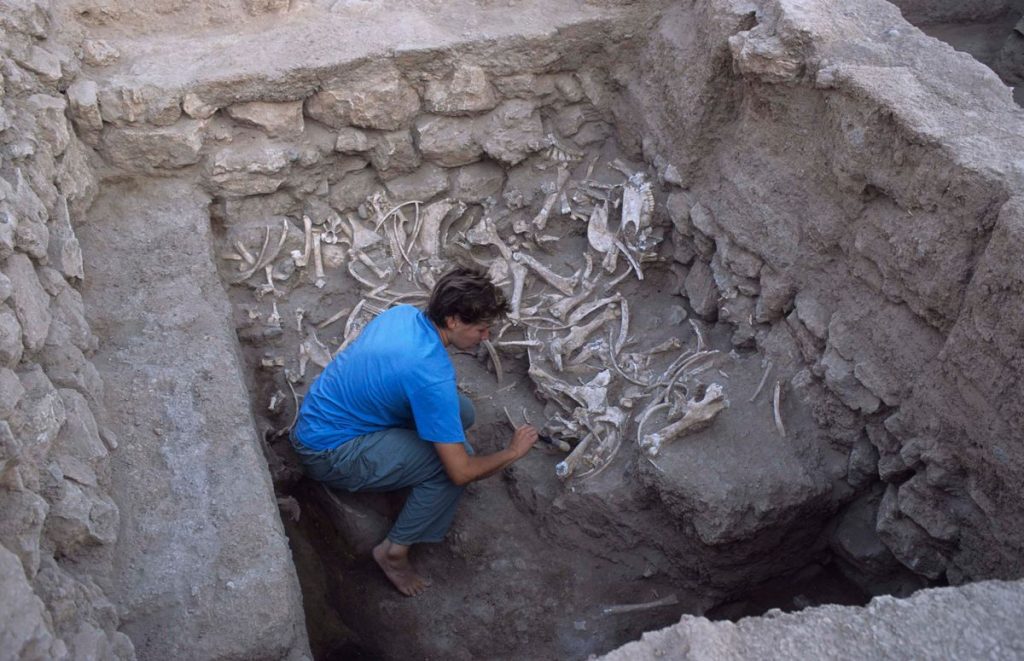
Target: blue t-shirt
[(397, 373)]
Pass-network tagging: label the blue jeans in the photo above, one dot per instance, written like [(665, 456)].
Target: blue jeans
[(389, 460)]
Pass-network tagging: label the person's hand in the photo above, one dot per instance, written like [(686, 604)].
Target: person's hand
[(522, 440)]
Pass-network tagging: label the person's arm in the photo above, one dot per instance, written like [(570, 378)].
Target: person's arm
[(463, 468)]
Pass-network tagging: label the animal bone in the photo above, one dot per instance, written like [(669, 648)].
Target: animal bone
[(318, 262), (383, 274), (265, 256), (430, 232), (300, 314), (301, 259), (270, 362), (599, 236), (267, 287), (670, 600), (245, 255), (637, 204), (671, 344), (623, 328), (764, 380), (333, 318), (494, 358), (274, 319), (565, 468), (700, 414), (777, 409), (560, 152), (563, 307), (540, 221), (564, 346), (559, 282), (564, 207), (362, 236), (486, 234), (518, 283), (315, 349), (275, 401)]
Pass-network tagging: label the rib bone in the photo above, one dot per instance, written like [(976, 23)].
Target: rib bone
[(430, 230)]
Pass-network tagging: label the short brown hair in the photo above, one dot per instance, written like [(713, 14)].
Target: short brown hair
[(468, 294)]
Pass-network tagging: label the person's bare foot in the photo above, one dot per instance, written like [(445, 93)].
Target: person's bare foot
[(394, 560)]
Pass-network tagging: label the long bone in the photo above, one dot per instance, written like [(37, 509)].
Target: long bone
[(629, 257), (586, 310), (484, 233), (268, 286), (565, 468), (518, 284), (246, 256), (318, 262), (493, 353), (540, 221), (564, 306), (563, 284), (777, 409), (383, 274), (564, 346), (301, 259), (430, 232), (601, 238), (700, 414)]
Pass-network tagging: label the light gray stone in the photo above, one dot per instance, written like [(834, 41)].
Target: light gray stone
[(776, 299), (32, 238), (11, 392), (840, 380), (394, 154), (739, 261), (511, 132), (24, 627), (448, 141), (374, 96), (42, 62), (249, 168), (259, 7), (466, 92), (525, 86), (352, 141), (11, 345), (5, 287), (701, 291), (76, 180), (196, 107), (79, 437), (22, 514), (277, 119), (813, 314), (39, 415), (569, 119), (426, 182), (353, 189), (863, 466), (144, 104), (99, 53), (81, 516), (908, 541), (169, 147), (84, 105), (63, 251), (68, 325), (30, 301), (477, 182), (53, 127)]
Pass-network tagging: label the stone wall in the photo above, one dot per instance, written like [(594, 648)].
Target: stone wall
[(867, 211), (57, 521)]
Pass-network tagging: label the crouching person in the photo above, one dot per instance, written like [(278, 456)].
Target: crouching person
[(385, 415)]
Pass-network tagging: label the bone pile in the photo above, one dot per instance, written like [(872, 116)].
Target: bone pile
[(574, 328)]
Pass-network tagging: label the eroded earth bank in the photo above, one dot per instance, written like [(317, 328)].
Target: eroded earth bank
[(765, 267)]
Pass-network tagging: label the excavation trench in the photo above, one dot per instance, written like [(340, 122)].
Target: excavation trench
[(687, 227)]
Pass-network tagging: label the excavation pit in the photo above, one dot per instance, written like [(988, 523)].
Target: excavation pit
[(753, 214)]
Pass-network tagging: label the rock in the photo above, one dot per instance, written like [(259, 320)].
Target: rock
[(32, 238), (568, 120), (394, 154), (22, 515), (525, 183), (701, 291), (8, 225), (739, 311), (678, 207), (930, 508), (11, 345), (352, 141), (6, 288), (81, 516), (374, 96), (49, 115), (683, 250), (79, 437), (137, 105), (739, 261), (569, 87), (813, 314), (525, 86), (477, 182), (423, 184), (11, 392), (42, 62), (908, 541), (68, 325), (99, 53), (277, 119), (448, 141), (63, 250), (84, 106), (863, 466), (856, 541), (250, 168), (76, 181), (361, 527), (196, 107), (39, 415), (353, 189), (702, 219), (511, 132), (762, 55), (891, 467), (466, 92), (134, 148), (30, 301), (840, 380), (776, 299), (24, 627)]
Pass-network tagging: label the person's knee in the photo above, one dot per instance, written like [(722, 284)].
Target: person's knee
[(467, 412)]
